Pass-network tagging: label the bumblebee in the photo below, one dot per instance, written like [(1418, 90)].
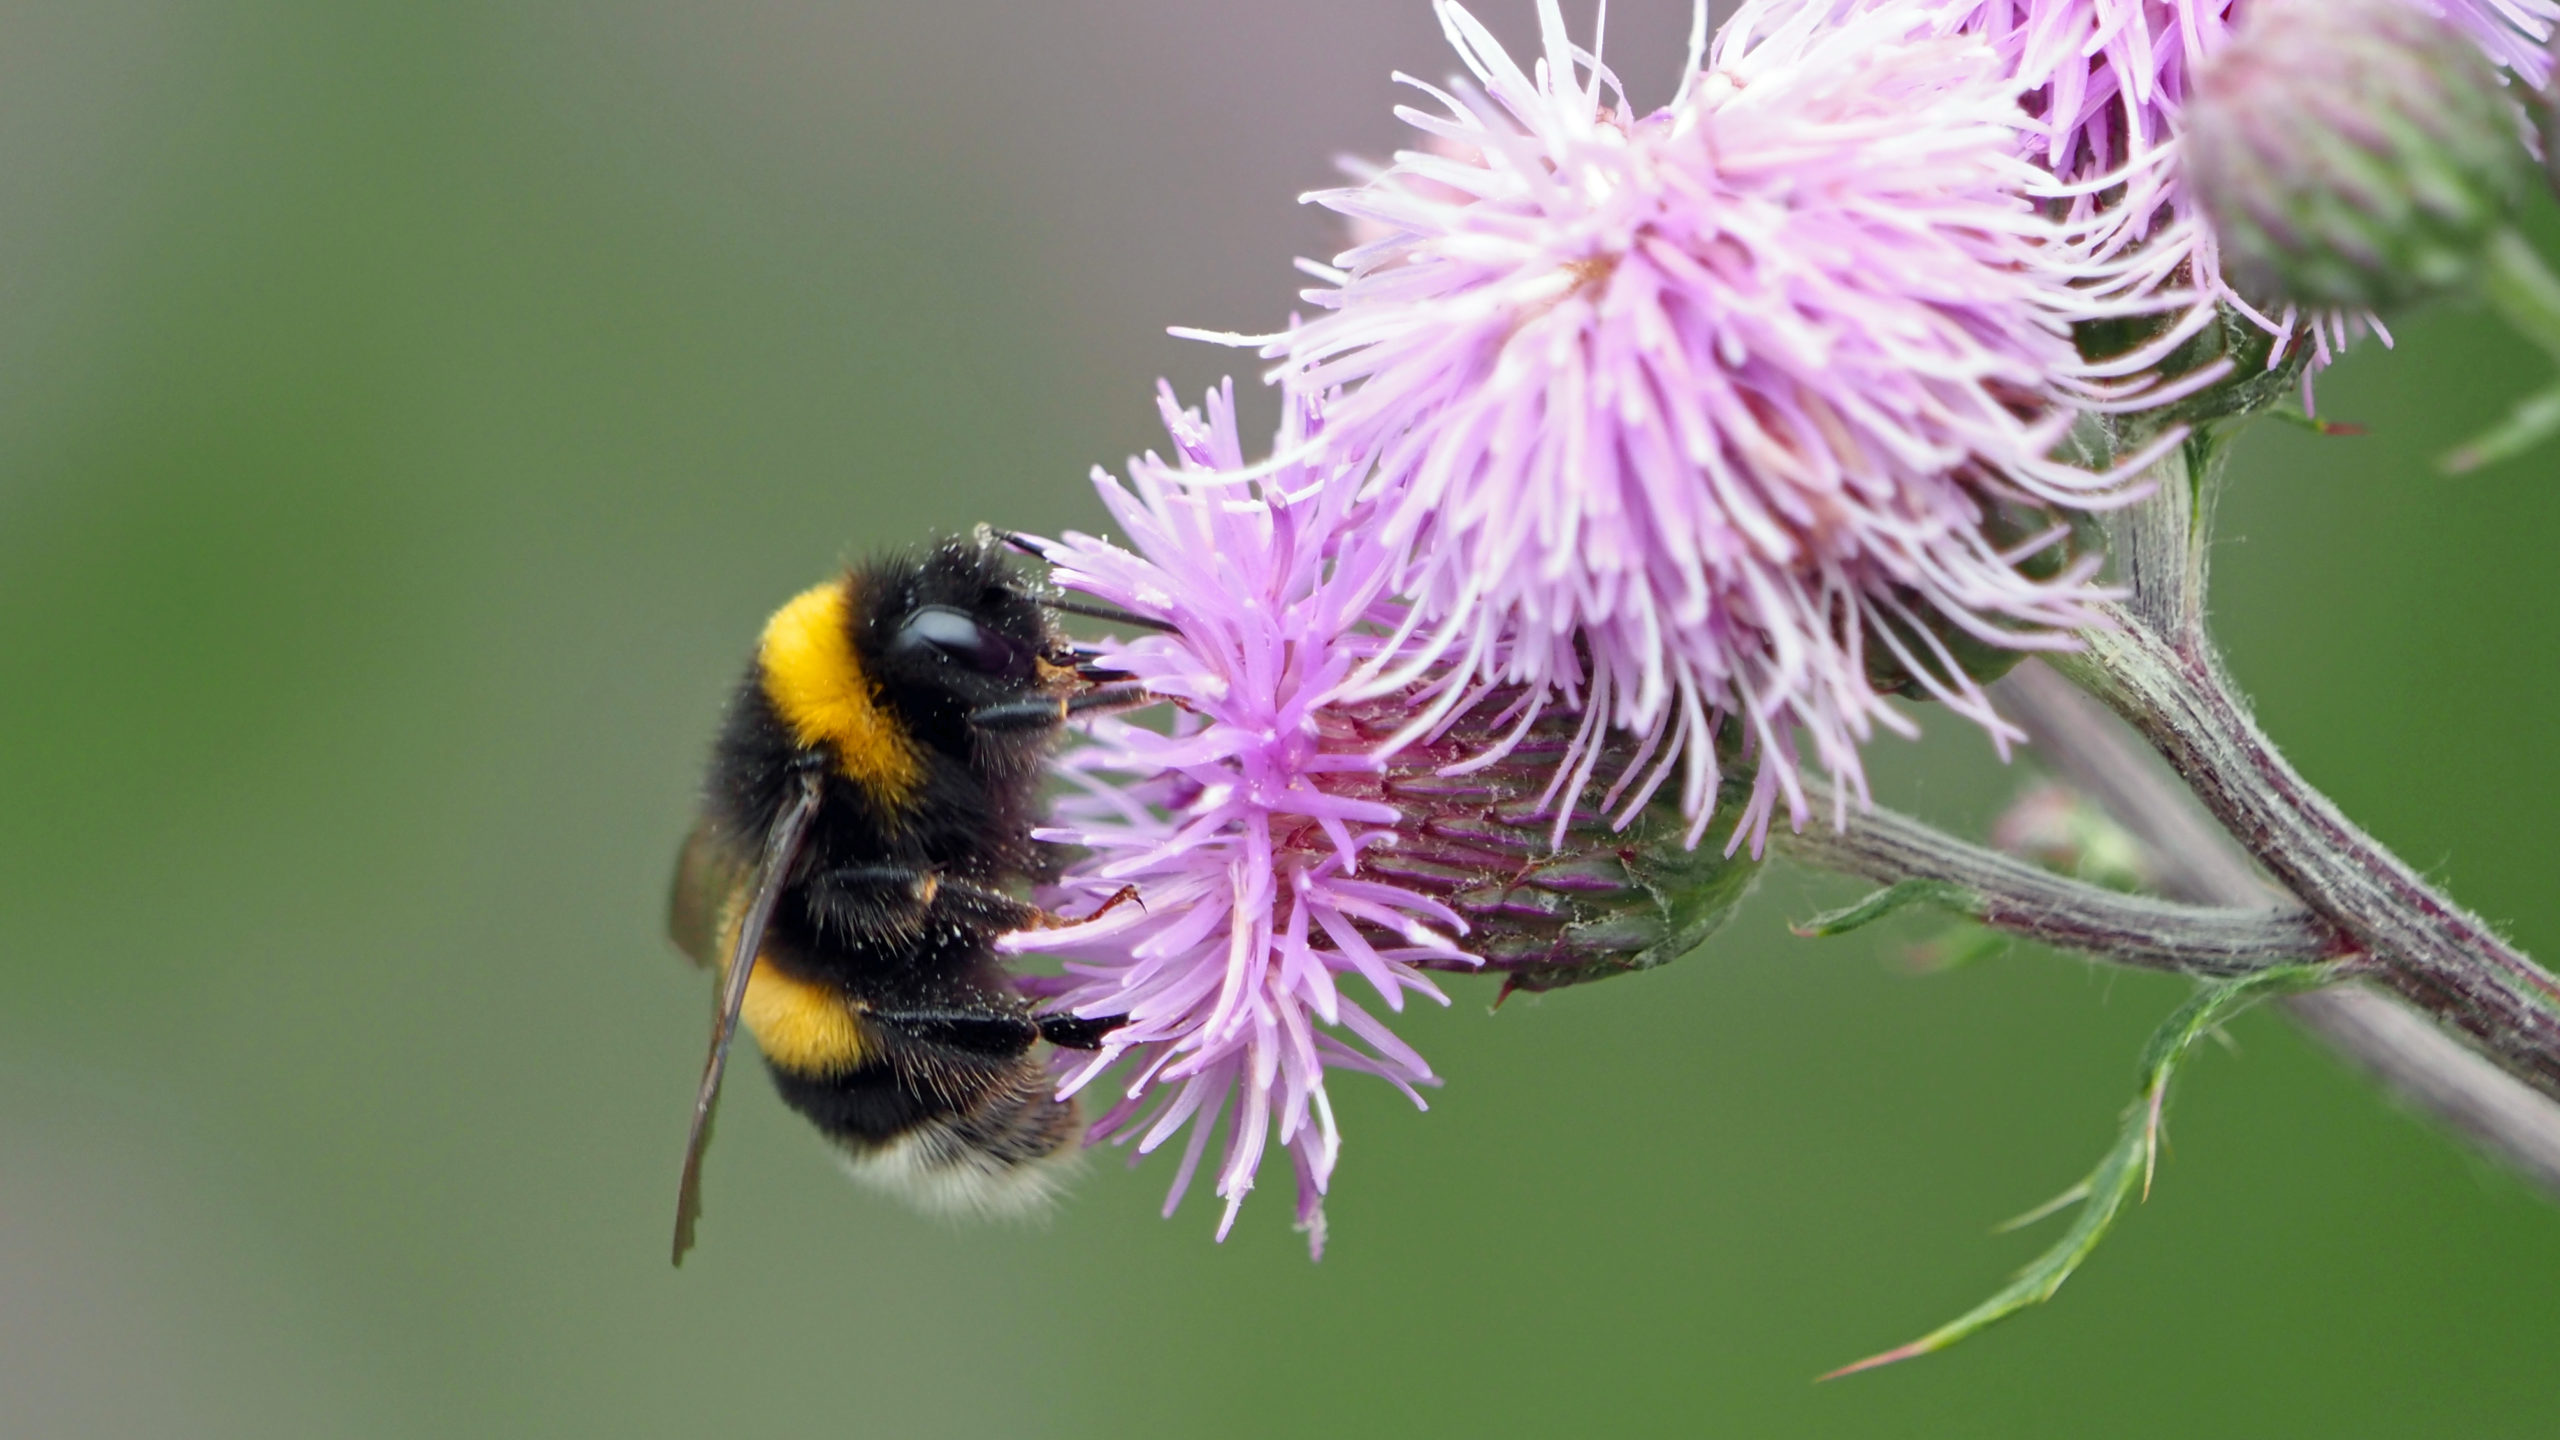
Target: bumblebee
[(870, 798)]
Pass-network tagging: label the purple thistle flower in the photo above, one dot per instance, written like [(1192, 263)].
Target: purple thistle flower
[(1252, 912), (1672, 417), (2110, 81)]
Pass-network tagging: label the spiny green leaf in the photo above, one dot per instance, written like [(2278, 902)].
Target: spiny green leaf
[(2536, 418), (2052, 1207), (2102, 1195), (1884, 902)]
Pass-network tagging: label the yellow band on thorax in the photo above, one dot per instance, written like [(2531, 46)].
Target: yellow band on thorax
[(815, 681)]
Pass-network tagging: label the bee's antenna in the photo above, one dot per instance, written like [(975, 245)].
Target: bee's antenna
[(1115, 616), (1035, 546)]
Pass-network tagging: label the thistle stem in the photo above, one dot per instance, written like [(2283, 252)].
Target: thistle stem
[(2427, 1068), (2154, 665), (1924, 864), (2431, 951)]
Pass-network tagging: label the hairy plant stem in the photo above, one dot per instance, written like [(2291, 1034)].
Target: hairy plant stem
[(2431, 951), (2191, 859), (2156, 667), (1924, 864)]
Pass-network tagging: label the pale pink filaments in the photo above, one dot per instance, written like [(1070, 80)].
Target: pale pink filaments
[(2109, 81), (1671, 417), (1253, 916), (2515, 33)]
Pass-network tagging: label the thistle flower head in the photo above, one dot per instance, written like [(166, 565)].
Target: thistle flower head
[(1256, 920), (1674, 416)]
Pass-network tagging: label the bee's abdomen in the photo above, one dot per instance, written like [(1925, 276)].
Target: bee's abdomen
[(985, 1137)]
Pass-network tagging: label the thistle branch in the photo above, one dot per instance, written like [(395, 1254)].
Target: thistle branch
[(2158, 669), (2193, 860), (1920, 864)]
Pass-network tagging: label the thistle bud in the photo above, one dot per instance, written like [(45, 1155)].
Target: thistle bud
[(2054, 826), (1549, 907), (2352, 154)]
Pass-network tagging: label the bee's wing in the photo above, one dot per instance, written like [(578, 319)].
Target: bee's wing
[(709, 875), (773, 869)]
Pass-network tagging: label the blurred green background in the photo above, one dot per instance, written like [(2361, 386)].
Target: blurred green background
[(408, 413)]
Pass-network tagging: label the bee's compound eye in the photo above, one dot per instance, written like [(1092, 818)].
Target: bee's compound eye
[(956, 637)]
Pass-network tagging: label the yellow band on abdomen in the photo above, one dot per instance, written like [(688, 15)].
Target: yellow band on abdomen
[(806, 1028)]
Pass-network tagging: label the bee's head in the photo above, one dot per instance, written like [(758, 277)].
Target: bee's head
[(954, 633)]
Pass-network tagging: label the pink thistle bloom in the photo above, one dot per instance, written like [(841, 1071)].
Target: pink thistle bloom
[(2110, 80), (1253, 914), (1673, 417)]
